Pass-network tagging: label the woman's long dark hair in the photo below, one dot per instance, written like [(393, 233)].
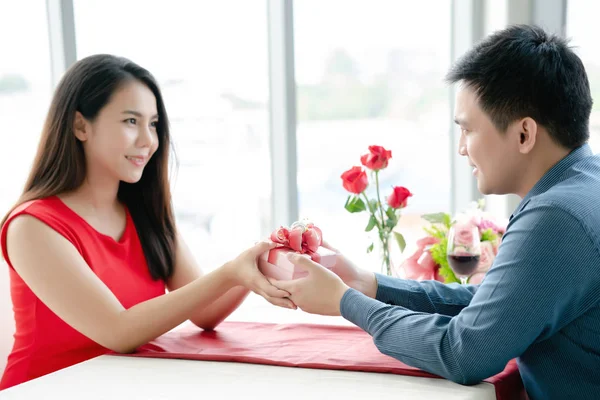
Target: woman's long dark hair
[(59, 164)]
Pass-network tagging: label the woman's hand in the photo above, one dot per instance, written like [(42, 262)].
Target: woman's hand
[(243, 270)]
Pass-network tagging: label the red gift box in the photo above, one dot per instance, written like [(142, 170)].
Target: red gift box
[(276, 265), (304, 238)]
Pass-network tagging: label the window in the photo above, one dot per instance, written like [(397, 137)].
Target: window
[(25, 87), (583, 31), (368, 73), (210, 60)]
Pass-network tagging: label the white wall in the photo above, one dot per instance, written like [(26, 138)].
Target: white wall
[(7, 325)]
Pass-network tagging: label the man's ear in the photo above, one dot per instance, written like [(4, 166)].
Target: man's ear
[(528, 130), (80, 127)]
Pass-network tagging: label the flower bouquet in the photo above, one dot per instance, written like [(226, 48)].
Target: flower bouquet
[(384, 218), (430, 262)]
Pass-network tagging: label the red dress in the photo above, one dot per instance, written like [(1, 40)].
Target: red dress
[(44, 343)]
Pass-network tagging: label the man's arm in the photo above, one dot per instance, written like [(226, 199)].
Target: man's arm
[(426, 296), (523, 298)]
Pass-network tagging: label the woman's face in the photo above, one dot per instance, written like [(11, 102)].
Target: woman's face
[(122, 138)]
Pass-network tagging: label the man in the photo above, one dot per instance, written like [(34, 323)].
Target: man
[(523, 107)]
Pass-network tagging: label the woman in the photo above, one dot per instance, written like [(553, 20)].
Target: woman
[(92, 244)]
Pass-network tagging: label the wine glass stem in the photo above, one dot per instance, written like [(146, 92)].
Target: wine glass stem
[(464, 280)]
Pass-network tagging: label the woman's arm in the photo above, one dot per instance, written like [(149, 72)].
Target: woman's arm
[(61, 278), (187, 271)]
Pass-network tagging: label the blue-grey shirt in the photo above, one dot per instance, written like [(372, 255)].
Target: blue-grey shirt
[(539, 302)]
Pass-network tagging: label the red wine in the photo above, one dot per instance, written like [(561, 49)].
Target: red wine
[(463, 265)]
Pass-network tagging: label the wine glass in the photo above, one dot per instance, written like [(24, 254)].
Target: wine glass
[(463, 250)]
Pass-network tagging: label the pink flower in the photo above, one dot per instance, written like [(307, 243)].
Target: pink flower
[(485, 262), (487, 256), (496, 245), (486, 224), (463, 235), (420, 266)]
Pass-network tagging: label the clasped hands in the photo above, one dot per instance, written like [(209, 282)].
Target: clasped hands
[(319, 292)]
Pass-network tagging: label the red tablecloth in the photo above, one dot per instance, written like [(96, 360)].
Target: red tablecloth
[(300, 345)]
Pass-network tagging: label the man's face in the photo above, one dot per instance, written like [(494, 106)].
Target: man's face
[(492, 154)]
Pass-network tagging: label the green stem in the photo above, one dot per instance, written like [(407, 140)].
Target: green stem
[(371, 211), (386, 256), (382, 234), (378, 197), (383, 230), (379, 200)]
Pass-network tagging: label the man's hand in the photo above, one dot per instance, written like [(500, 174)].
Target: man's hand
[(320, 292), (359, 279)]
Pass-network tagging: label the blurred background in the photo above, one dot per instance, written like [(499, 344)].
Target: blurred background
[(270, 101)]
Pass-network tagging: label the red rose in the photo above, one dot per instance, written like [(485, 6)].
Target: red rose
[(355, 180), (377, 158), (399, 197)]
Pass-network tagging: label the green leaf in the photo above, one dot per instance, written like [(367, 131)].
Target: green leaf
[(390, 212), (400, 240), (438, 254), (429, 231), (481, 203), (348, 201), (435, 232), (373, 204), (370, 248), (448, 275), (371, 224), (488, 235), (392, 220), (437, 218), (447, 221), (391, 223), (354, 204)]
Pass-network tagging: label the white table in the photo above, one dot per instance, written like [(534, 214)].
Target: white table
[(116, 377), (113, 377)]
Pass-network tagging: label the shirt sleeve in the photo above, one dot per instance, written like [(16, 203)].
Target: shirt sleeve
[(424, 296), (538, 283)]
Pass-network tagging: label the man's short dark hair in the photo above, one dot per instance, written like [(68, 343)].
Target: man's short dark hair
[(522, 71)]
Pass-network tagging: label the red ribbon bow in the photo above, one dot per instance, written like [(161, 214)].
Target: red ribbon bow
[(302, 237)]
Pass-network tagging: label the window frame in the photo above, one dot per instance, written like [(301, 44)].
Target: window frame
[(470, 22)]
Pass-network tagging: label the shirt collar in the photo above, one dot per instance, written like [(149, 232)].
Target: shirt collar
[(552, 177)]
